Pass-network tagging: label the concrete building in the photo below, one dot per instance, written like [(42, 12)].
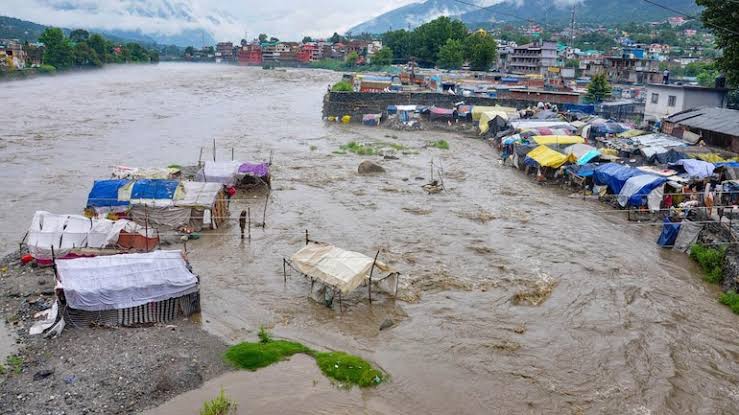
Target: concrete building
[(224, 52), (665, 100), (533, 58), (12, 55)]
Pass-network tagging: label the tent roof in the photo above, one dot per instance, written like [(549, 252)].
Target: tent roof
[(546, 157), (558, 139), (199, 194), (336, 267), (104, 193), (124, 281)]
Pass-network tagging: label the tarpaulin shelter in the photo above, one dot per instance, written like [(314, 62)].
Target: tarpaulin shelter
[(558, 139), (478, 110), (601, 128), (442, 114), (135, 173), (695, 168), (207, 204), (546, 157), (233, 173), (371, 120), (669, 233), (614, 175), (670, 156), (529, 124), (395, 109), (636, 190), (498, 119), (340, 270), (127, 289), (103, 196), (583, 153)]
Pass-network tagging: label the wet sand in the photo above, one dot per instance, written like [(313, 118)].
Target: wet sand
[(628, 327)]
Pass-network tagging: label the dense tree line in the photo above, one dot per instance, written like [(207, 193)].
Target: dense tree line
[(722, 18), (442, 42), (82, 49)]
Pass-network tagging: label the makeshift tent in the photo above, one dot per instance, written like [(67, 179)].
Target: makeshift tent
[(558, 139), (669, 233), (670, 156), (341, 270), (371, 120), (478, 110), (499, 120), (687, 236), (395, 109), (442, 114), (601, 128), (103, 196), (75, 235), (583, 153), (546, 157), (124, 281), (614, 175), (695, 168), (637, 188), (529, 124), (135, 173), (209, 207), (232, 172), (631, 133)]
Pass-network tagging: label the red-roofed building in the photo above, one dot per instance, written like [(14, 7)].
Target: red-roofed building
[(250, 54)]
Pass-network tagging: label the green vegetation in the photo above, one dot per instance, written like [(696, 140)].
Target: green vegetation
[(352, 58), (730, 299), (451, 55), (720, 16), (711, 261), (360, 149), (342, 86), (313, 147), (383, 57), (342, 367), (598, 89), (440, 144), (46, 69), (339, 66), (14, 363), (347, 368), (220, 405), (81, 49), (480, 50)]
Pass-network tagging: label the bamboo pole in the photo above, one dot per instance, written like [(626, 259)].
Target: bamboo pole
[(200, 157), (248, 217), (146, 227), (264, 214), (306, 237), (284, 270), (20, 245), (369, 286), (214, 150)]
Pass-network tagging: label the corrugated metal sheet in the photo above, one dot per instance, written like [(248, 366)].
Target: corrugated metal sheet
[(720, 120)]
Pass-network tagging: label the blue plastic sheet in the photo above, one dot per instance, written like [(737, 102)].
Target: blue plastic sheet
[(154, 189), (104, 193), (614, 175), (669, 234)]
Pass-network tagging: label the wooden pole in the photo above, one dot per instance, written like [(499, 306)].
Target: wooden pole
[(432, 169), (53, 263), (306, 237), (264, 214), (284, 270), (200, 157), (146, 227), (248, 217), (20, 245), (369, 286), (214, 150), (232, 154)]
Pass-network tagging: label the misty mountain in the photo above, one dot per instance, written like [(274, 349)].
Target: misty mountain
[(23, 30), (518, 11)]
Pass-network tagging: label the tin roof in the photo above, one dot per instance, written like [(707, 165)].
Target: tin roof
[(720, 120)]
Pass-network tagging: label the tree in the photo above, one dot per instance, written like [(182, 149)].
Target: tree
[(383, 57), (399, 42), (57, 50), (451, 55), (97, 43), (79, 35), (336, 38), (427, 39), (189, 51), (572, 63), (352, 58), (721, 17), (598, 89), (84, 55), (274, 39), (480, 50), (263, 37), (707, 76), (307, 39)]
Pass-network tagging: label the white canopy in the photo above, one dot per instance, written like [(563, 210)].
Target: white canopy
[(223, 172), (338, 268), (199, 194), (124, 281)]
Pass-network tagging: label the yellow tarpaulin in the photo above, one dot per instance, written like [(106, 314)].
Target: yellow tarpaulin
[(546, 157), (488, 116), (631, 133), (478, 110), (558, 139)]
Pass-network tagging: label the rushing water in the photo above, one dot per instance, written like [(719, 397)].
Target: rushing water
[(628, 328)]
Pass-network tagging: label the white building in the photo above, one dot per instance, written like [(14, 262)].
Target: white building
[(665, 100)]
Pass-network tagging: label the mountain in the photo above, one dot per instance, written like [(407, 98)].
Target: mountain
[(23, 30), (518, 11)]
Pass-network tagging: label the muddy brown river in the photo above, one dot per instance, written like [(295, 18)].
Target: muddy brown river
[(628, 328)]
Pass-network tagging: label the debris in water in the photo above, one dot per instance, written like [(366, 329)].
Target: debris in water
[(417, 210), (537, 292)]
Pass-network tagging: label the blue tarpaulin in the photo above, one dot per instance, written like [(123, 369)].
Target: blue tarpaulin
[(586, 170), (669, 233), (104, 193), (614, 175), (637, 188), (584, 108), (154, 189)]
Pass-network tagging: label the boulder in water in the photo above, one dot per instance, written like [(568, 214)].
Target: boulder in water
[(368, 167)]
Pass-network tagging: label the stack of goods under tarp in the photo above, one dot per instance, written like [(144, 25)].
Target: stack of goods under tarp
[(233, 173), (72, 236)]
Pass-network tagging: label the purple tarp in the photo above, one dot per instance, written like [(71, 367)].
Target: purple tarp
[(258, 170)]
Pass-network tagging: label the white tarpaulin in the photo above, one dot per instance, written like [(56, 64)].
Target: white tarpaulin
[(343, 270), (68, 232), (124, 281), (199, 194), (635, 184), (223, 172)]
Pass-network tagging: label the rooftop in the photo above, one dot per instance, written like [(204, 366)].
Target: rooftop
[(692, 87), (721, 120)]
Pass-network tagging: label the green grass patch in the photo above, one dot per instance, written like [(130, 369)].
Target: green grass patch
[(730, 299), (360, 149), (349, 369), (342, 86), (220, 405), (313, 148), (397, 146), (15, 364), (339, 152), (345, 368), (711, 261), (441, 144)]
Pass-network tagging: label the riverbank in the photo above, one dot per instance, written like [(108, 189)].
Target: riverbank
[(95, 370)]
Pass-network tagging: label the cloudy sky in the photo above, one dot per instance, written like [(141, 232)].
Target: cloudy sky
[(286, 19)]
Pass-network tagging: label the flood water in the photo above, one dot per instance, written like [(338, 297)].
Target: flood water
[(628, 327)]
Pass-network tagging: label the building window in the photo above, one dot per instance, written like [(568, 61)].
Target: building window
[(655, 98), (671, 100)]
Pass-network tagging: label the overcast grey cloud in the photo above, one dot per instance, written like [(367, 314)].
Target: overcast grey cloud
[(225, 20)]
